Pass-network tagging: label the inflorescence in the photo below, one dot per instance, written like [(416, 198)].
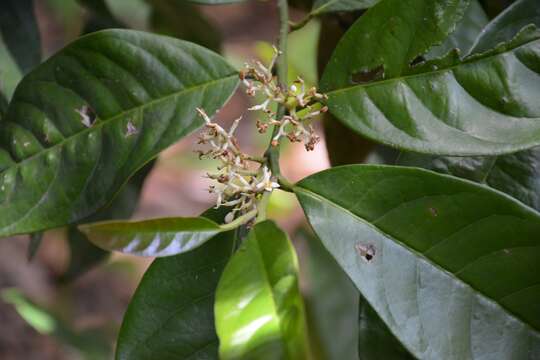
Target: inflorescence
[(302, 104), (241, 180)]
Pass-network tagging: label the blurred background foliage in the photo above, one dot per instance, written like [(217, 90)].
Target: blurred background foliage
[(68, 301)]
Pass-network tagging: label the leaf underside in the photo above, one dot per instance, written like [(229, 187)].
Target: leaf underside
[(454, 266), (83, 122), (156, 237)]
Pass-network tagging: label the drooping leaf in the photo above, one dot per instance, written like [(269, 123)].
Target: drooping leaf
[(157, 237), (376, 341), (482, 105), (184, 21), (259, 309), (386, 39), (171, 315), (325, 6), (83, 122), (467, 30), (507, 24), (452, 267), (20, 32), (516, 174), (331, 302), (479, 105)]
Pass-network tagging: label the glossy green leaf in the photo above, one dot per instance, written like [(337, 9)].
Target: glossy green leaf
[(20, 32), (506, 25), (184, 21), (259, 309), (452, 267), (480, 105), (516, 174), (331, 301), (83, 122), (156, 237), (171, 314), (387, 35), (467, 30), (325, 6), (376, 341)]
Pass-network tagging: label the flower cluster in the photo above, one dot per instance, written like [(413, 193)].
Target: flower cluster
[(302, 104), (238, 185)]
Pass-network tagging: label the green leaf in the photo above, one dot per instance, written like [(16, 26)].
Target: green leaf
[(452, 267), (388, 35), (325, 6), (331, 301), (482, 105), (184, 21), (156, 237), (20, 32), (90, 344), (466, 32), (507, 24), (83, 254), (516, 174), (259, 309), (57, 166), (376, 341), (171, 314)]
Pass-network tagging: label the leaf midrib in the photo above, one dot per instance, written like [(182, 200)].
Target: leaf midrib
[(272, 295), (321, 198), (467, 60), (98, 125)]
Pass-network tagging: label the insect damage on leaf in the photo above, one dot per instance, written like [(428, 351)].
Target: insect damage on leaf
[(366, 252), (367, 75), (131, 129), (88, 116)]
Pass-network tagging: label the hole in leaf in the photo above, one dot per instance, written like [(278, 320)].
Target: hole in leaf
[(366, 252), (367, 75), (417, 61)]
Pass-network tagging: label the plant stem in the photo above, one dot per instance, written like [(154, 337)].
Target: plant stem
[(298, 25), (272, 153), (241, 220), (263, 205), (285, 184)]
